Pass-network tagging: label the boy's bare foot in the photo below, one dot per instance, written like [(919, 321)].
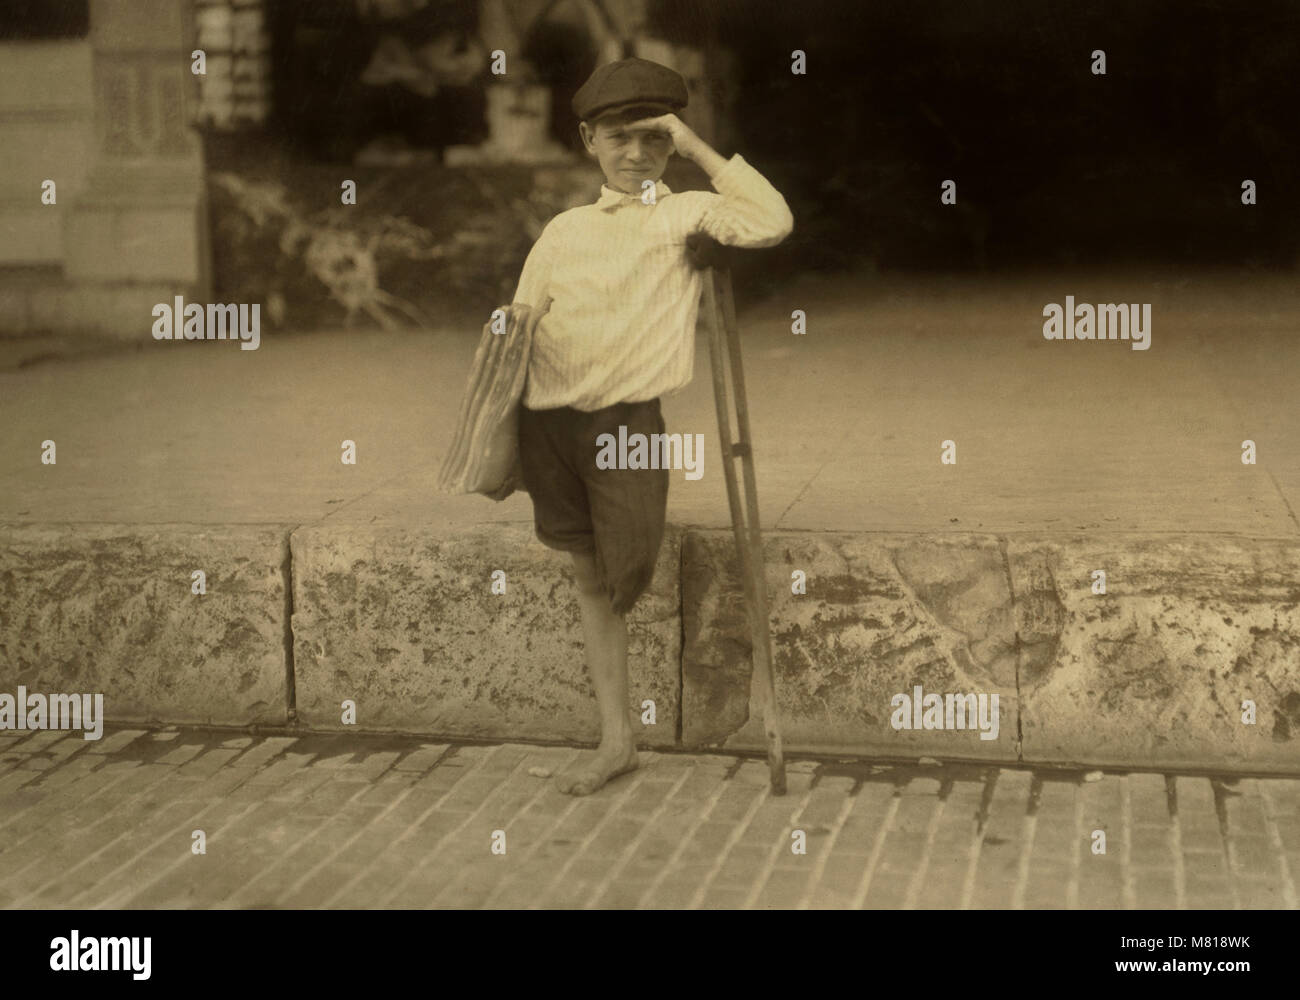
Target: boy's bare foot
[(595, 769)]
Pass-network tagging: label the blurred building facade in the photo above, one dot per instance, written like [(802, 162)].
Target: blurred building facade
[(102, 200), (104, 99), (235, 89)]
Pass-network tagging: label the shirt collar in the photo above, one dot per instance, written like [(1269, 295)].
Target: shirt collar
[(611, 198)]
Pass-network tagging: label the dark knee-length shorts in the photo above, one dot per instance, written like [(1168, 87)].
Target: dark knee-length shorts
[(616, 515)]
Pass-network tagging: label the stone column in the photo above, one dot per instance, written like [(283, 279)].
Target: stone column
[(142, 218)]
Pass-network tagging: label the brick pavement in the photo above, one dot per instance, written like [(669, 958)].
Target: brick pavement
[(362, 822)]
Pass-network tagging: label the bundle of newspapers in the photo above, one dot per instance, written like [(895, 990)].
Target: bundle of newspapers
[(484, 454)]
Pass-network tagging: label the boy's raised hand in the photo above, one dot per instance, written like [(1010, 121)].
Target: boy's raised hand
[(683, 138)]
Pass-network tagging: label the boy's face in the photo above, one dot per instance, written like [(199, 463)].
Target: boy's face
[(628, 155)]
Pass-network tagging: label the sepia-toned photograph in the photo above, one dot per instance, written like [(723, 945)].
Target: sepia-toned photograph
[(650, 455)]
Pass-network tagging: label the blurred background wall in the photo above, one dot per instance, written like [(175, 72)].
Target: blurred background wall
[(228, 183)]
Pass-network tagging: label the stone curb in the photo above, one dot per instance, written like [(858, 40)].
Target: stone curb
[(1156, 672), (407, 625), (109, 608), (404, 623)]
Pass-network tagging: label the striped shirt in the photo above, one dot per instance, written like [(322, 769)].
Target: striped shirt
[(624, 297)]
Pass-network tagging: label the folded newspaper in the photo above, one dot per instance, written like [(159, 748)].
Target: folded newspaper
[(484, 453)]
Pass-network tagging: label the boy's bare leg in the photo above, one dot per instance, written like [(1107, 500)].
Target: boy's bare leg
[(605, 637)]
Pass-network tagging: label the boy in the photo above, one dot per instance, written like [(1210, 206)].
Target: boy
[(619, 334)]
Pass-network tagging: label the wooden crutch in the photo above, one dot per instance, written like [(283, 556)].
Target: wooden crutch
[(744, 517)]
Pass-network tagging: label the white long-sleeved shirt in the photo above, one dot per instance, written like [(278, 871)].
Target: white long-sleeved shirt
[(624, 297)]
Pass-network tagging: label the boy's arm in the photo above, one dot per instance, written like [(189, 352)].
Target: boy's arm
[(536, 274), (747, 211)]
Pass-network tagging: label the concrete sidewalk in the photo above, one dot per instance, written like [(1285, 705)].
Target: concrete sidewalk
[(329, 582), (848, 419), (336, 821)]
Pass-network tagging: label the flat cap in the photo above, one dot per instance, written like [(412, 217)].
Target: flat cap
[(626, 82)]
